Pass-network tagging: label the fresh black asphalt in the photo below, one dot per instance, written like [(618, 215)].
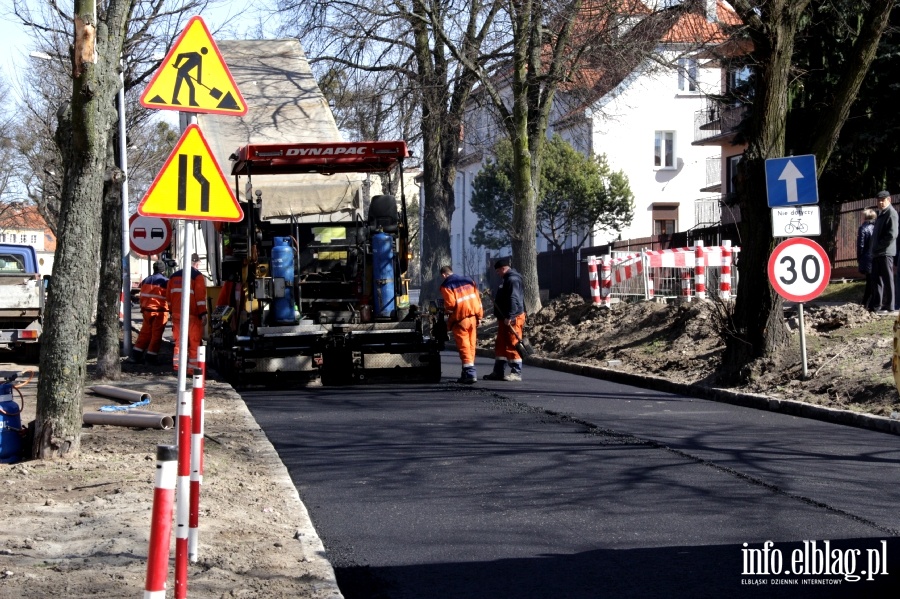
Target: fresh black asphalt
[(566, 486)]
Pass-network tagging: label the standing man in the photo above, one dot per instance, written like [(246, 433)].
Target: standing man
[(509, 308), (864, 252), (155, 311), (884, 248), (462, 303), (196, 312)]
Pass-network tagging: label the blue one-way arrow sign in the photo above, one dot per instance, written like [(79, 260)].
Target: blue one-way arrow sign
[(791, 181)]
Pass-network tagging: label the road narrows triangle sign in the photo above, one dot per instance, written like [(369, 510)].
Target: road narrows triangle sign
[(194, 77), (191, 185)]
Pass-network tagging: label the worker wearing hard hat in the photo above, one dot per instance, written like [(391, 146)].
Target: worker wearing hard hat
[(155, 312), (196, 312)]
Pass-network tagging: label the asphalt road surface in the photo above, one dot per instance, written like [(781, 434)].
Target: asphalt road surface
[(569, 487)]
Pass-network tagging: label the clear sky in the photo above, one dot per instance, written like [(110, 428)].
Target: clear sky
[(17, 42)]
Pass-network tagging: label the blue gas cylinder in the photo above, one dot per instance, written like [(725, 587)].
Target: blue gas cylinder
[(10, 425), (282, 266), (383, 274)]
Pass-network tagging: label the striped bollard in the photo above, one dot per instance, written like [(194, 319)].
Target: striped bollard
[(161, 522), (605, 281), (699, 271), (592, 277), (183, 493), (197, 423), (725, 280), (686, 286), (650, 289), (201, 361)]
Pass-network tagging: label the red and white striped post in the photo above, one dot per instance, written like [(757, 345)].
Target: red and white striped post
[(650, 289), (699, 271), (605, 280), (161, 522), (592, 278), (686, 286), (725, 279), (182, 492), (197, 422), (201, 361)]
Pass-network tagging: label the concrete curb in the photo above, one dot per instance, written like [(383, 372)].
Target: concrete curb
[(747, 400)]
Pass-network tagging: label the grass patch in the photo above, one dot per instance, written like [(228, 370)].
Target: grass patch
[(851, 291)]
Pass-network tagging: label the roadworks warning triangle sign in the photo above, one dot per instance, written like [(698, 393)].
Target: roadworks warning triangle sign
[(191, 185), (194, 77)]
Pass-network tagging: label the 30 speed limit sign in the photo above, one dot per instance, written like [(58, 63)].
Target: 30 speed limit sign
[(799, 269)]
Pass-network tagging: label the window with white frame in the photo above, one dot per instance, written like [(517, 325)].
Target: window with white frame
[(664, 149), (687, 75)]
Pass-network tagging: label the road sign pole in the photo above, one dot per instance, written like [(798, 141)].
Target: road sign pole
[(802, 339)]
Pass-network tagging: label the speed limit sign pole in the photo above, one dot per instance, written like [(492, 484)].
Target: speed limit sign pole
[(799, 270)]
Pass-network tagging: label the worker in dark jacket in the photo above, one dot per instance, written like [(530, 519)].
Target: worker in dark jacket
[(509, 308), (884, 248), (462, 303), (196, 312), (155, 312)]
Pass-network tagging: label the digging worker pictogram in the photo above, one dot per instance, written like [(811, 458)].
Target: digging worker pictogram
[(509, 308), (196, 312), (155, 311), (462, 303), (184, 64)]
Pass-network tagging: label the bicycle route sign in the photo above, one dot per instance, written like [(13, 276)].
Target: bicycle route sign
[(796, 221), (799, 269)]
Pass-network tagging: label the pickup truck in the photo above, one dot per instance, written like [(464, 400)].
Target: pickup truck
[(22, 299)]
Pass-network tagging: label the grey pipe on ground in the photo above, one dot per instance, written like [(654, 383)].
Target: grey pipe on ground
[(140, 420), (120, 393)]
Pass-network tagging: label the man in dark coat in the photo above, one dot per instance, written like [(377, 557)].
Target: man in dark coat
[(864, 252), (509, 308), (884, 248)]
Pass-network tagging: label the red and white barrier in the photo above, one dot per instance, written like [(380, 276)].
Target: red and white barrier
[(605, 281), (650, 290), (699, 271), (182, 491), (161, 522), (197, 422), (686, 286), (592, 278), (725, 278)]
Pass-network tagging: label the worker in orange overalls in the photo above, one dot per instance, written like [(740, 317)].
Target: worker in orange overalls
[(196, 313), (462, 303), (155, 311)]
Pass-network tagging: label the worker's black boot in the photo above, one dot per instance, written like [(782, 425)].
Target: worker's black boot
[(137, 356), (152, 359), (497, 373)]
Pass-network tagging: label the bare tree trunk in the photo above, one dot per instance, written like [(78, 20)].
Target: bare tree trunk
[(108, 341), (82, 137)]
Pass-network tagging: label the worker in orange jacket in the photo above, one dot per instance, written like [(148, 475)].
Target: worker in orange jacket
[(155, 312), (196, 312), (462, 303)]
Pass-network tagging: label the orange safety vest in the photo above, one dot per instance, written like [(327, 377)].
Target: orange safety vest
[(154, 291), (461, 299), (197, 302)]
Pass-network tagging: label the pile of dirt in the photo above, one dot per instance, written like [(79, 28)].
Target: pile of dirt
[(848, 349)]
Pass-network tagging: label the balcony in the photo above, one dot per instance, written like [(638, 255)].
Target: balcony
[(717, 123), (713, 174), (707, 211)]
